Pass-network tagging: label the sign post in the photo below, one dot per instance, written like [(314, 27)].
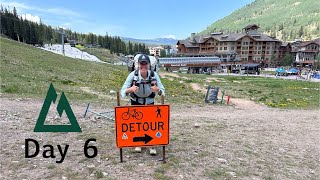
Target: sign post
[(118, 104), (163, 147), (142, 126)]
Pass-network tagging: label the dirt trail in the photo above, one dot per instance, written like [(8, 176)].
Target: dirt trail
[(244, 141), (168, 74), (197, 87)]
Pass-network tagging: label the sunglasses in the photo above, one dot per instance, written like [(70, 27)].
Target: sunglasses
[(143, 63)]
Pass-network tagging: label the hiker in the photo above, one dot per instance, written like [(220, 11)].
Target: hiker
[(143, 84)]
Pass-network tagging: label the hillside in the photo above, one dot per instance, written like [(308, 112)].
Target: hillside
[(27, 71), (286, 20), (157, 41)]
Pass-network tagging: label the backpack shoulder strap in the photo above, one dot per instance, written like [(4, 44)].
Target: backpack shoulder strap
[(152, 76), (135, 77)]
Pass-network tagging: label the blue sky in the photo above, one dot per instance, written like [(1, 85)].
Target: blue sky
[(142, 19)]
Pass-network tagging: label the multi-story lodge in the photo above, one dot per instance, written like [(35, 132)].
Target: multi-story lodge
[(249, 47), (305, 53)]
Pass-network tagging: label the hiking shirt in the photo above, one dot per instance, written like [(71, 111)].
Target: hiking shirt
[(144, 89)]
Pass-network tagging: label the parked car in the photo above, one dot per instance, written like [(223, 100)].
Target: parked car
[(281, 72), (293, 71)]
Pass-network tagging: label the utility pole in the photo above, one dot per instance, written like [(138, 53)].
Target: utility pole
[(61, 31)]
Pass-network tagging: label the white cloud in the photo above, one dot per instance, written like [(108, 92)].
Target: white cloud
[(53, 11), (15, 4), (169, 36), (63, 12), (31, 18)]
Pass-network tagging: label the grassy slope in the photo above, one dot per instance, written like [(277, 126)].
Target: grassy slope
[(102, 54), (27, 71), (272, 92), (269, 14)]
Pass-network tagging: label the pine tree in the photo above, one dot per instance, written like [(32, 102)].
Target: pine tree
[(300, 32)]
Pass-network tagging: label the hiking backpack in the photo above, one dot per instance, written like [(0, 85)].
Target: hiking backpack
[(154, 64)]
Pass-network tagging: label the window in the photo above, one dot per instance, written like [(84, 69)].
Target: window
[(232, 48), (220, 48), (225, 48), (245, 43)]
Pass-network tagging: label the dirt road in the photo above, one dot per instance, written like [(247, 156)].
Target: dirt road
[(244, 141)]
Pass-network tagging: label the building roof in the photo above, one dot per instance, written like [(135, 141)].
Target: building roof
[(317, 41), (236, 36), (188, 60), (251, 26), (187, 43)]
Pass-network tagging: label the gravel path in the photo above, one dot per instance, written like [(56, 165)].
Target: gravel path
[(242, 141)]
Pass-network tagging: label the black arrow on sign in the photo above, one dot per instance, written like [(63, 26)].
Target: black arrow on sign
[(144, 139)]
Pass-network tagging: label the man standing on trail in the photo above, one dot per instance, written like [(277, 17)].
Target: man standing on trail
[(143, 85)]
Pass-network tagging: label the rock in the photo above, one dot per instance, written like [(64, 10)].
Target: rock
[(22, 146), (105, 173), (107, 159), (233, 174), (141, 164), (91, 175), (63, 177), (311, 171), (196, 125), (223, 161), (127, 156), (91, 166), (181, 176), (112, 92)]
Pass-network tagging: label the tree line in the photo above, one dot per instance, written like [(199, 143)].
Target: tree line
[(15, 27)]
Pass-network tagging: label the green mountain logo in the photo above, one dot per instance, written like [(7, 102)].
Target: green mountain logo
[(63, 105)]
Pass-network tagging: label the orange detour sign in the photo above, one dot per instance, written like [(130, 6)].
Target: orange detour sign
[(142, 125)]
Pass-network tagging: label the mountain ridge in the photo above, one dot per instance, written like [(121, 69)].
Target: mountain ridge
[(156, 41), (300, 20)]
